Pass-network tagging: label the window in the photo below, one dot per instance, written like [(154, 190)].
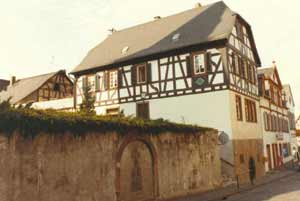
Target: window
[(142, 110), (237, 68), (269, 125), (141, 73), (91, 81), (242, 67), (250, 110), (245, 69), (112, 111), (233, 63), (250, 73), (88, 82), (199, 63), (239, 29), (239, 112), (113, 79), (266, 121)]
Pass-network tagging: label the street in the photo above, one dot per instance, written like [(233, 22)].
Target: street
[(286, 189)]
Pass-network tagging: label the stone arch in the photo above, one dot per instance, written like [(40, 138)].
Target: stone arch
[(128, 141)]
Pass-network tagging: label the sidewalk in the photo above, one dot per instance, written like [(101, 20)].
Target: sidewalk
[(221, 194)]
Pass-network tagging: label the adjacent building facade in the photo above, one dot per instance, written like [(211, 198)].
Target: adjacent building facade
[(197, 67), (290, 103), (37, 89), (277, 114)]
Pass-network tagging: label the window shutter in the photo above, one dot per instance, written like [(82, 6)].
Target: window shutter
[(84, 82), (97, 82), (208, 63), (133, 75), (189, 66), (149, 73), (241, 67), (233, 63), (105, 80), (120, 78), (265, 121)]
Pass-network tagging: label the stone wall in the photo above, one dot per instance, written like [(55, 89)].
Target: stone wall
[(107, 166)]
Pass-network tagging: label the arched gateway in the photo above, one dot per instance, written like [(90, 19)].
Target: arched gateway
[(136, 173)]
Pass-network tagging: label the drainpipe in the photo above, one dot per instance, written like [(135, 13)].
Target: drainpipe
[(75, 93)]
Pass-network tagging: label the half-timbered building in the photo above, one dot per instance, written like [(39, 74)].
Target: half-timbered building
[(197, 67), (47, 87), (276, 111), (3, 84)]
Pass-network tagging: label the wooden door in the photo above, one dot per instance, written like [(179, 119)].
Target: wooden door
[(280, 155), (136, 173), (142, 110), (280, 149), (269, 156), (274, 156), (252, 169)]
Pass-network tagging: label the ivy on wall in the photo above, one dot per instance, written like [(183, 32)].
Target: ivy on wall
[(30, 122)]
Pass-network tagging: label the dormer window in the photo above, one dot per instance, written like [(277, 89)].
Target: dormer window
[(199, 63), (141, 73)]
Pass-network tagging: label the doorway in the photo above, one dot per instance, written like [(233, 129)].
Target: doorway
[(136, 173)]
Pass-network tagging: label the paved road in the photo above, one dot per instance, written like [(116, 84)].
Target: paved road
[(286, 189)]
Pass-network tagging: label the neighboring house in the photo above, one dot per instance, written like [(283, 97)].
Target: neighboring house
[(47, 87), (3, 84), (196, 67), (298, 123), (290, 103), (298, 139), (275, 120)]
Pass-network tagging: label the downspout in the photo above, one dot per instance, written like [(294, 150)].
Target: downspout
[(75, 94)]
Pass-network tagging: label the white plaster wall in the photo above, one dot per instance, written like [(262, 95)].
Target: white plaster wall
[(60, 104), (208, 110)]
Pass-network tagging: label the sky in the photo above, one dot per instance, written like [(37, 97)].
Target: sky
[(44, 36)]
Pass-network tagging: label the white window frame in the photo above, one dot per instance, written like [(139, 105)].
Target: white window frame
[(113, 74), (201, 54), (91, 82)]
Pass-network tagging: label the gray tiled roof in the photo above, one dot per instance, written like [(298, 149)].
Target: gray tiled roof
[(24, 87), (196, 26)]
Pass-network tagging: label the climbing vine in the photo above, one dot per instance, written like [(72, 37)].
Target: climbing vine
[(30, 122)]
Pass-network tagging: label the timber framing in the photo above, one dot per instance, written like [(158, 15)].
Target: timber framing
[(192, 48)]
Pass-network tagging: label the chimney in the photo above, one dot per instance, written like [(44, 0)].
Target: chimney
[(157, 17), (112, 30), (198, 5), (12, 80), (274, 64)]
